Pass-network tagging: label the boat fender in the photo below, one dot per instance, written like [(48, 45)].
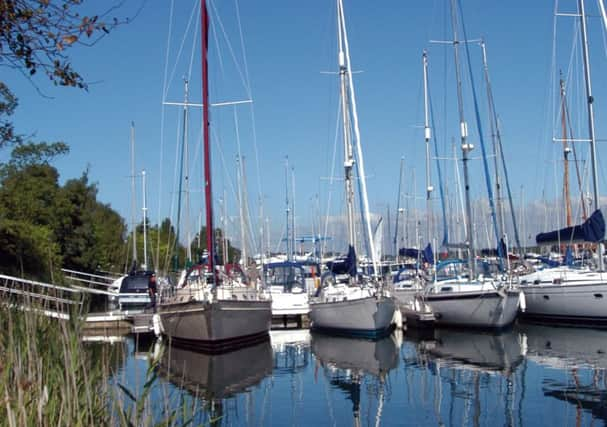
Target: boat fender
[(397, 319), (157, 324), (522, 303)]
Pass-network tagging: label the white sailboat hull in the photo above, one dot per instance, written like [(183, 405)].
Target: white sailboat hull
[(566, 295), (476, 308), (366, 317), (570, 302)]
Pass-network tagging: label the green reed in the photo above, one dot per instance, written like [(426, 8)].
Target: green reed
[(49, 377)]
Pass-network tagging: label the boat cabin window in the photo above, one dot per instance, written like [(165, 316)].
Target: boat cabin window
[(135, 283), (286, 276)]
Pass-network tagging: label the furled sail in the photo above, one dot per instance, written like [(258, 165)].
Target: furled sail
[(592, 230), (425, 255), (344, 265)]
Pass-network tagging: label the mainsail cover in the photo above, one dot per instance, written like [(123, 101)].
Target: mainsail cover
[(592, 230), (425, 255), (344, 265)]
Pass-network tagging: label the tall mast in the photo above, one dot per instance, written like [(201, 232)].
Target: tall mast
[(466, 147), (496, 149), (590, 100), (207, 144), (242, 209), (224, 241), (186, 179), (427, 137), (566, 151), (293, 234), (133, 201), (145, 220), (287, 210), (344, 56), (348, 153), (181, 166), (398, 208), (496, 134)]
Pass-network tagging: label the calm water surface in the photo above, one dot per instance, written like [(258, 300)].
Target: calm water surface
[(531, 375)]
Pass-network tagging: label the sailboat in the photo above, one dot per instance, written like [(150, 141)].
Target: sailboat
[(210, 314), (568, 294), (360, 306), (457, 295)]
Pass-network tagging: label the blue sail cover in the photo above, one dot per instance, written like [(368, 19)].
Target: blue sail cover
[(345, 265), (426, 255), (592, 230), (429, 254), (409, 252)]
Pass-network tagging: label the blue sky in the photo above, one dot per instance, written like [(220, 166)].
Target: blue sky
[(288, 46)]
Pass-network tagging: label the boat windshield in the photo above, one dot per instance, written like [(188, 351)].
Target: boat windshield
[(135, 283), (287, 276)]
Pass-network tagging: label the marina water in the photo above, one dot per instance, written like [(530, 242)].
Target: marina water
[(528, 375)]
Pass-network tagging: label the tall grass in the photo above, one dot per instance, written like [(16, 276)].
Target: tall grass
[(49, 377), (46, 374)]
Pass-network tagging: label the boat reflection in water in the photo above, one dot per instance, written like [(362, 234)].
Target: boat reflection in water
[(291, 350), (582, 354), (457, 373), (475, 350), (214, 377), (350, 362)]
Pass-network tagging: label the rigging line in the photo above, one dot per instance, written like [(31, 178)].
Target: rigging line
[(246, 83), (439, 171), (543, 150), (571, 65), (359, 154), (498, 135), (331, 178), (170, 242), (215, 37), (229, 45), (166, 59), (162, 115), (246, 210), (575, 159), (194, 41), (217, 145), (180, 50), (481, 139), (604, 26), (244, 52), (250, 96)]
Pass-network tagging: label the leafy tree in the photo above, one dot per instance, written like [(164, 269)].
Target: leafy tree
[(36, 35), (109, 229), (44, 226), (8, 103), (28, 249)]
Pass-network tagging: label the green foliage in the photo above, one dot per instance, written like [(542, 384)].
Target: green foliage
[(28, 154), (47, 376), (44, 226), (36, 34), (8, 103), (27, 249)]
